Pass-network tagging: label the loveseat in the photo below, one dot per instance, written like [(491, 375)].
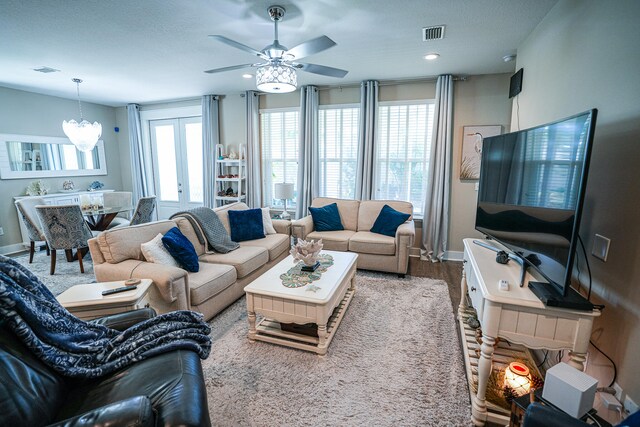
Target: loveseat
[(164, 390), (220, 280), (375, 251)]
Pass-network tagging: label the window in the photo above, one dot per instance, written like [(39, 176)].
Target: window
[(403, 146), (279, 141), (338, 150)]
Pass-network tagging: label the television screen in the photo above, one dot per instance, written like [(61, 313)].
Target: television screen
[(531, 190)]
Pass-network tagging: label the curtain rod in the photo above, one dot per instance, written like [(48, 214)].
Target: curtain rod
[(381, 83)]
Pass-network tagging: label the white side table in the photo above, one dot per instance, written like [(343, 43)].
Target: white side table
[(87, 302)]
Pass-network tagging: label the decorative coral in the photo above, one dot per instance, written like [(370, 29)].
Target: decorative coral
[(307, 252)]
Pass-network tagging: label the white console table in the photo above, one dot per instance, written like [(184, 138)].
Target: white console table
[(517, 316)]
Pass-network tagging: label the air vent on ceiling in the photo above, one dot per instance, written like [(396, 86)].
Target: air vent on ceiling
[(45, 70), (433, 33)]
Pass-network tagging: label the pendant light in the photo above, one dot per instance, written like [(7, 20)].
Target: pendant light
[(84, 135)]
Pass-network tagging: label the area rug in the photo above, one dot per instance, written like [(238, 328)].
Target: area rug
[(394, 361), (67, 273)]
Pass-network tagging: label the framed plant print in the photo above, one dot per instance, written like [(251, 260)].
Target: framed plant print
[(472, 149)]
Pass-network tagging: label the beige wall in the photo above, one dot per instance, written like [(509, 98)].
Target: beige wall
[(28, 113), (584, 54)]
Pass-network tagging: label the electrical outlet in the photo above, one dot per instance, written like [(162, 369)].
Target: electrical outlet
[(1, 231), (600, 247), (630, 405)]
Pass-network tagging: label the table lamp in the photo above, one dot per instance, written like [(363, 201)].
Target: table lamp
[(284, 191)]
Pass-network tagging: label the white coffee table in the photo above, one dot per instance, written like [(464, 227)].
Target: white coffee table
[(279, 305), (87, 302)]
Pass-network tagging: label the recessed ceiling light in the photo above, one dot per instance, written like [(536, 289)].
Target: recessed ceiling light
[(508, 58), (45, 70), (247, 75), (431, 56)]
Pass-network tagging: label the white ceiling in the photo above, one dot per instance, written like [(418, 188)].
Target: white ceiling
[(146, 51)]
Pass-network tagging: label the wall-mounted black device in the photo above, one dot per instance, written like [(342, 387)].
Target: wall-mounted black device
[(516, 83)]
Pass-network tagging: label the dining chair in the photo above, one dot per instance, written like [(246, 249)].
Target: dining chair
[(118, 198), (64, 228), (27, 209), (144, 210)]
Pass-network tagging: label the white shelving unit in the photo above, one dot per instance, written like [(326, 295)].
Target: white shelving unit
[(231, 176)]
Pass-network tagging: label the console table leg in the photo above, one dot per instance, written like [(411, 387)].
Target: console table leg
[(577, 360), (322, 338), (251, 316), (479, 405), (463, 294)]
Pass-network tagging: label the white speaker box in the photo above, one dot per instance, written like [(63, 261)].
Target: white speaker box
[(571, 390)]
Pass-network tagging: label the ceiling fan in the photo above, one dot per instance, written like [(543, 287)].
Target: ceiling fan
[(277, 74)]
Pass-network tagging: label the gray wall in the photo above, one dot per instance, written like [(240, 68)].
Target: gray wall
[(28, 113), (584, 54)]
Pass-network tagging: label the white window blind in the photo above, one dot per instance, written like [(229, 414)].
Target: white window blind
[(403, 145), (279, 142), (338, 150)]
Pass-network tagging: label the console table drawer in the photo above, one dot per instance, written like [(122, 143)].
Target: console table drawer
[(474, 291)]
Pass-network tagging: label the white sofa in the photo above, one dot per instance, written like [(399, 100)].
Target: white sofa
[(375, 251), (219, 282)]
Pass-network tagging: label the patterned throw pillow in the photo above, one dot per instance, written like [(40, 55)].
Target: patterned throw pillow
[(326, 218), (388, 221), (266, 221), (181, 249), (155, 252), (246, 225)]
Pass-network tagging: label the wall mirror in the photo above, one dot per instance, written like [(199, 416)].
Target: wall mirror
[(26, 156)]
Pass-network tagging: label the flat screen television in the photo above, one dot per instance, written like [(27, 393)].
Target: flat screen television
[(530, 196)]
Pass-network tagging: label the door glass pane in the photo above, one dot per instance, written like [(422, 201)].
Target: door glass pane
[(193, 132), (166, 152)]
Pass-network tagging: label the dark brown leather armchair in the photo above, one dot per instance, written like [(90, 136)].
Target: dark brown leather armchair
[(164, 390)]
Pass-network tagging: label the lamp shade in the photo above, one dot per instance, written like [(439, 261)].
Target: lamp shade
[(283, 190), (84, 135), (276, 78), (517, 377)]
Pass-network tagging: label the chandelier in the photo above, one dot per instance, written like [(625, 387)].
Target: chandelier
[(84, 135), (276, 78)]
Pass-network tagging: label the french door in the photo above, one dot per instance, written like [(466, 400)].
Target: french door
[(176, 147)]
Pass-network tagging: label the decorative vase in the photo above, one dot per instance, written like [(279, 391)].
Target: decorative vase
[(307, 252)]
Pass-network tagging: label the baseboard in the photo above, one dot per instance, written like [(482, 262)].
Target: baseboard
[(453, 256), (11, 249)]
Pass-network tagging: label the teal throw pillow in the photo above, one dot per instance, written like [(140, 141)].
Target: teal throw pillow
[(326, 218), (388, 221), (246, 225), (181, 249)]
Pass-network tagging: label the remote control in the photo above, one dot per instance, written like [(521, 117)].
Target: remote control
[(117, 290)]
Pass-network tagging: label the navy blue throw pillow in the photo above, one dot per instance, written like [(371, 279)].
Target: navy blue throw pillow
[(246, 225), (181, 249), (326, 218), (388, 221)]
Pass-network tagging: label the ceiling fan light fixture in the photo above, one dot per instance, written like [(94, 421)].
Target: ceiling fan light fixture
[(83, 135), (276, 78)]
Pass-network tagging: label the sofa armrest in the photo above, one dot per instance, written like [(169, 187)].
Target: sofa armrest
[(406, 231), (282, 226), (122, 321), (405, 236), (135, 411), (301, 227)]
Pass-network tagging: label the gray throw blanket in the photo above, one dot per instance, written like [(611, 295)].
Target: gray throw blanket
[(80, 349), (209, 229)]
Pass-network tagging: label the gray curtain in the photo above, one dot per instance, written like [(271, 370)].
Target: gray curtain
[(308, 164), (141, 184), (366, 140), (435, 225), (210, 138), (254, 182)]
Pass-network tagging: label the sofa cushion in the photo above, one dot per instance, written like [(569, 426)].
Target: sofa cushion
[(246, 224), (245, 259), (181, 249), (276, 244), (333, 240), (388, 221), (348, 210), (121, 244), (326, 218), (210, 281), (155, 252), (370, 209), (366, 242)]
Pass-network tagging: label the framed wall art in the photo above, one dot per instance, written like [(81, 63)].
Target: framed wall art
[(472, 149)]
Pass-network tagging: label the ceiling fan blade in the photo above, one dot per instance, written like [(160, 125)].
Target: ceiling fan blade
[(310, 47), (321, 69), (239, 45), (233, 67)]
